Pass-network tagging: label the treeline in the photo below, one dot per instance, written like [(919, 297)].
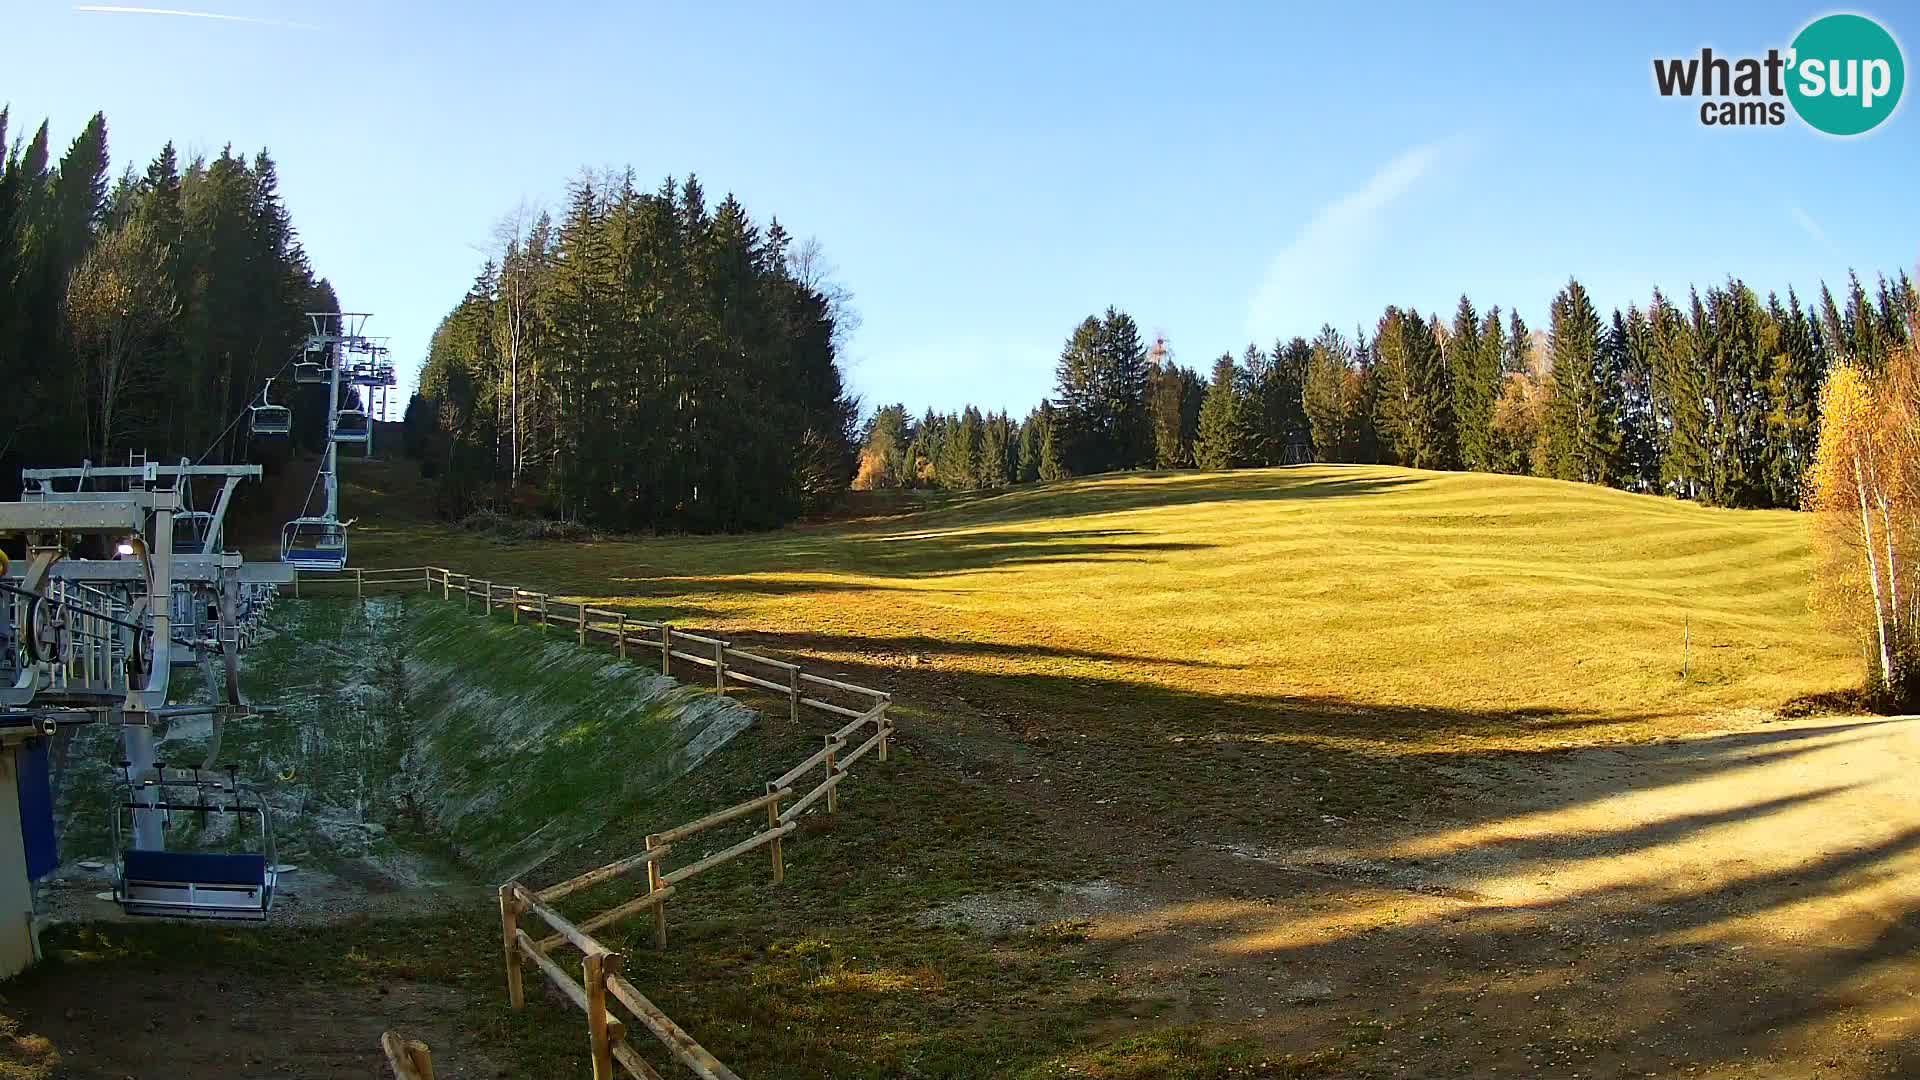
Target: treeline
[(1715, 398), (647, 362), (145, 312)]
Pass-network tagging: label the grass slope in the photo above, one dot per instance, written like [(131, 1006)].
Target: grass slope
[(1327, 587), (1092, 679)]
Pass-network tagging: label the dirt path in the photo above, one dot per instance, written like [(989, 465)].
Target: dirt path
[(1738, 904)]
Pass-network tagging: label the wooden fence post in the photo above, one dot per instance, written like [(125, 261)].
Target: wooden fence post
[(466, 595), (622, 637), (773, 823), (654, 884), (581, 610), (595, 969), (359, 583), (405, 1054), (666, 648), (793, 694), (720, 666), (833, 793), (513, 598), (543, 608), (510, 935), (446, 585), (885, 725)]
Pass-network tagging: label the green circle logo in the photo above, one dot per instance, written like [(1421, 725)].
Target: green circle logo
[(1847, 74)]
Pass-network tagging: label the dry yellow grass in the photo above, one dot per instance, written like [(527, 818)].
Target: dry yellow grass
[(1342, 590)]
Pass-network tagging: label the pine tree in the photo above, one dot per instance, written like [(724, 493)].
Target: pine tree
[(1793, 389), (1679, 400), (1284, 395), (1583, 425), (1330, 398), (1476, 381), (1631, 347), (1223, 441), (1415, 403)]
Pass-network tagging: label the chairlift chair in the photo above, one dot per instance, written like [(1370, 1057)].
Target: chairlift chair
[(192, 532), (352, 426), (307, 371), (314, 543), (195, 884), (268, 419)]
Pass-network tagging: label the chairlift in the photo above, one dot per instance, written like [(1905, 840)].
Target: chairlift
[(307, 371), (195, 884), (192, 532), (268, 419), (314, 543), (351, 426)]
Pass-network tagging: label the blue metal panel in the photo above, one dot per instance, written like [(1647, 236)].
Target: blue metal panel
[(36, 808)]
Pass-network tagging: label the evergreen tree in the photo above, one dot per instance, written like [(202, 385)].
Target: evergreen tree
[(1793, 388), (1631, 348), (1475, 367), (1331, 398), (1582, 425), (1224, 438)]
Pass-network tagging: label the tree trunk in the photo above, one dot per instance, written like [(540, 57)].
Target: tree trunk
[(1873, 575)]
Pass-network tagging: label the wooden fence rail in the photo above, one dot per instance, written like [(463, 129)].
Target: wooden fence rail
[(801, 688), (599, 967)]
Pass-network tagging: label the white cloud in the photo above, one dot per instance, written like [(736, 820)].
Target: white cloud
[(1805, 221), (1303, 281), (115, 9)]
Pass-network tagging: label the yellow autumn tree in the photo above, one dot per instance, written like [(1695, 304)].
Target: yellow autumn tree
[(1864, 492)]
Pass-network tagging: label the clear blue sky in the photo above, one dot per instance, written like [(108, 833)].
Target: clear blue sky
[(986, 174)]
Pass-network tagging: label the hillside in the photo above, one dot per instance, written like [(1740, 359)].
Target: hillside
[(1320, 771), (1317, 587)]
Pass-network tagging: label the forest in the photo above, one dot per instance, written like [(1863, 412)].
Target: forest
[(145, 310), (645, 362), (1714, 398)]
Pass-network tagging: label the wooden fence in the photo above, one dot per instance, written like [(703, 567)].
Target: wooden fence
[(600, 978), (600, 981), (730, 667)]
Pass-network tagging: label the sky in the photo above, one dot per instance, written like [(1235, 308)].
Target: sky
[(985, 175)]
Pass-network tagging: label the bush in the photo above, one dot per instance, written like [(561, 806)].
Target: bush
[(509, 529)]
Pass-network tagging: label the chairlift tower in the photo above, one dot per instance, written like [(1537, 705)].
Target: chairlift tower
[(124, 579), (338, 351)]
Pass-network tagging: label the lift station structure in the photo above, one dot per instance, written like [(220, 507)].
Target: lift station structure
[(125, 576)]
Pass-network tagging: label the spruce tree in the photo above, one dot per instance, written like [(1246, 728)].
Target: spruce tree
[(1224, 436), (1583, 426), (1476, 382)]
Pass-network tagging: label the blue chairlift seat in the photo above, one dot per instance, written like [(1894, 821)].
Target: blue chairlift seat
[(270, 420), (351, 427), (196, 884), (314, 543)]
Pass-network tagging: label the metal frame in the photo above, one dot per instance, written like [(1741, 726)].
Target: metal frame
[(183, 895)]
